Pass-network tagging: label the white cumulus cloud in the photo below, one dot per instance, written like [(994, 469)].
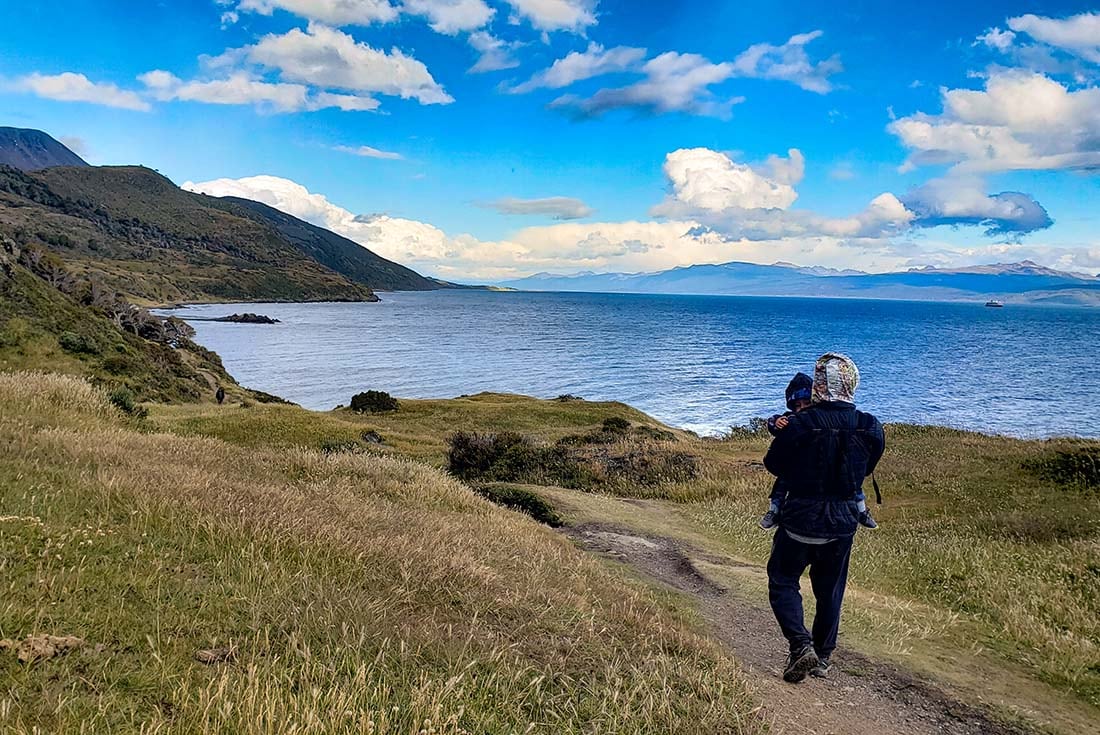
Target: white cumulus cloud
[(1021, 120), (333, 12), (556, 15), (240, 88), (997, 38), (72, 87), (703, 179), (451, 16), (673, 82), (789, 62), (331, 59), (496, 53), (593, 62), (1078, 35)]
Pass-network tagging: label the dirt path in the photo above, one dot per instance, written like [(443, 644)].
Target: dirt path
[(860, 697)]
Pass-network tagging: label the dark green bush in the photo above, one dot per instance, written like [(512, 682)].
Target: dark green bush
[(123, 398), (1074, 467), (472, 455), (373, 401), (372, 437), (660, 435), (78, 344), (340, 446), (521, 499), (260, 397), (509, 457), (616, 425), (757, 427)]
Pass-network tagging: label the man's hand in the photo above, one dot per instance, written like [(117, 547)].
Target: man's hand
[(781, 422)]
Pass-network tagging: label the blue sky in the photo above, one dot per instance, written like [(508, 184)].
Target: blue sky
[(486, 139)]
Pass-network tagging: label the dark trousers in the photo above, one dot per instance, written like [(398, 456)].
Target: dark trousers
[(828, 565)]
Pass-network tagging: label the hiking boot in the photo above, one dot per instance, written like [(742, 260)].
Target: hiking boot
[(821, 671), (866, 520), (770, 520), (799, 664)]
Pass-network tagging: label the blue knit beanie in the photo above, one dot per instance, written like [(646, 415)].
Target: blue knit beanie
[(800, 388)]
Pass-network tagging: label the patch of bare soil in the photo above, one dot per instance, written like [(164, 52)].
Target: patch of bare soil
[(860, 697)]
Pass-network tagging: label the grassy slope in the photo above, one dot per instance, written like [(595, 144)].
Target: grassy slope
[(360, 593), (975, 554), (34, 315), (156, 243), (334, 251)]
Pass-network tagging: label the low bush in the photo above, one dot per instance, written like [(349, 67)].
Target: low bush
[(472, 455), (659, 435), (521, 499), (340, 446), (373, 401), (78, 344), (573, 462), (616, 425), (1074, 467), (756, 427), (372, 437), (123, 398)]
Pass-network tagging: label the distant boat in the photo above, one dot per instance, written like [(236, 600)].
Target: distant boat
[(994, 303)]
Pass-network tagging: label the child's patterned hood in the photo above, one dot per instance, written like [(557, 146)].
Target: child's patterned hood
[(836, 378)]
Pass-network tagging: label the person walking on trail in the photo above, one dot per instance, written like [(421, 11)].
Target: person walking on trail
[(821, 459)]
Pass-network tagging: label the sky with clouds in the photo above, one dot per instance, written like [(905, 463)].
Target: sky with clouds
[(483, 140)]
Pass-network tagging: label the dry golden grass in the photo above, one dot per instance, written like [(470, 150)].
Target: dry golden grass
[(974, 552), (355, 593)]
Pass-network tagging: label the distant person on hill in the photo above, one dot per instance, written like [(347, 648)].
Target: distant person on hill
[(821, 457), (799, 397), (220, 395)]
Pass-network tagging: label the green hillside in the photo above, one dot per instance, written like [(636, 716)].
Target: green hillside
[(338, 253), (41, 326), (141, 235)]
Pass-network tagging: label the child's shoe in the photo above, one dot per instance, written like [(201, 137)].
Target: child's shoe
[(770, 520), (821, 671), (866, 520)]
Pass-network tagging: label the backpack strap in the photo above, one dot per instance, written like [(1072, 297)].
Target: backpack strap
[(878, 493)]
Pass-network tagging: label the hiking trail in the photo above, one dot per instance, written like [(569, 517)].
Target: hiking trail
[(861, 696)]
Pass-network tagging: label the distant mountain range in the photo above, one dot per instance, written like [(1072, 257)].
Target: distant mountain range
[(141, 235), (31, 150), (1024, 282)]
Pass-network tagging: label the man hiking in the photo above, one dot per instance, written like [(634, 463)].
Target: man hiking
[(820, 459)]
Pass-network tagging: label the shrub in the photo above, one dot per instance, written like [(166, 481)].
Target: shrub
[(117, 364), (566, 398), (509, 457), (123, 398), (373, 401), (340, 446), (756, 427), (660, 435), (78, 344), (472, 454), (616, 425), (1075, 467), (521, 499), (260, 397)]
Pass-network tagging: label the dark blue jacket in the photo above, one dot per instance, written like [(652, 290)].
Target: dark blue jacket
[(821, 459)]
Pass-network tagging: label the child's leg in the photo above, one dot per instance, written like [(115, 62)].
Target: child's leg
[(861, 501), (777, 496)]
